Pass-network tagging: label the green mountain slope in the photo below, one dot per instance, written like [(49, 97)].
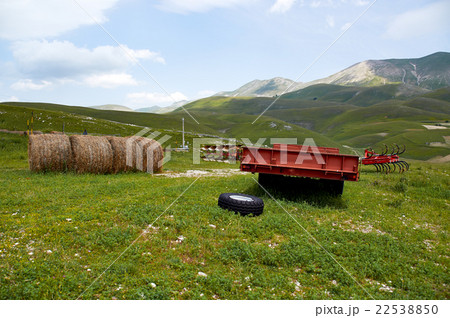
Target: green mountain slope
[(157, 121), (361, 96), (333, 115)]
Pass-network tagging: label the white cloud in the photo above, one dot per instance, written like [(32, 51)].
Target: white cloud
[(10, 99), (282, 6), (186, 6), (346, 26), (335, 3), (25, 19), (110, 80), (427, 20), (360, 2), (62, 59), (27, 84), (330, 21), (144, 99), (321, 3)]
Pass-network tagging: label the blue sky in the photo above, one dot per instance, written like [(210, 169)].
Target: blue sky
[(142, 53)]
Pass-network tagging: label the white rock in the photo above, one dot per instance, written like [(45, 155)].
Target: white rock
[(153, 285), (202, 274), (49, 251), (212, 225)]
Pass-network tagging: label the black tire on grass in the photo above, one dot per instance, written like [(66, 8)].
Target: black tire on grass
[(243, 204)]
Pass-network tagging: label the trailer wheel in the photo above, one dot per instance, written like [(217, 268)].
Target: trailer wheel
[(241, 203)]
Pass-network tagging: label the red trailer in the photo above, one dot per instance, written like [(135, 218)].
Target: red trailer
[(325, 164)]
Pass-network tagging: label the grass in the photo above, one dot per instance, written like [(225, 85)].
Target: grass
[(60, 232)]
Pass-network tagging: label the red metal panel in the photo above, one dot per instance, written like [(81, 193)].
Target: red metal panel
[(306, 148), (380, 159), (296, 161)]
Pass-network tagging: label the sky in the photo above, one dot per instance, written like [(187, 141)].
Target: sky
[(141, 53)]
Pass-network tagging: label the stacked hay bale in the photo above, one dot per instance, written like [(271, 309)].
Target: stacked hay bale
[(144, 154), (94, 154), (119, 149), (91, 154), (49, 153)]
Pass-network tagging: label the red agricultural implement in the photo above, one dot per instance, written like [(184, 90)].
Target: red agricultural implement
[(386, 162), (326, 166), (219, 152)]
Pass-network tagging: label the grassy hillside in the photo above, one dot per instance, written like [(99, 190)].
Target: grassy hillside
[(61, 231), (442, 94), (323, 109), (360, 96), (330, 119), (430, 104), (15, 118), (157, 121)]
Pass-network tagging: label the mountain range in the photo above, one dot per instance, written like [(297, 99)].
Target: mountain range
[(348, 111), (418, 75), (152, 109), (429, 72)]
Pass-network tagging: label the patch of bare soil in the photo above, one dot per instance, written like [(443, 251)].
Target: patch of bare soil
[(202, 173)]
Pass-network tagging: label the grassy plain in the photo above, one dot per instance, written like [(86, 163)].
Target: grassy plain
[(68, 236)]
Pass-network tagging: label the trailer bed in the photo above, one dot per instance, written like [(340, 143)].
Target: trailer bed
[(301, 161)]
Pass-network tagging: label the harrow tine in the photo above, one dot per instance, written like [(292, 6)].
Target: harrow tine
[(394, 166), (389, 167), (407, 165), (403, 166), (403, 150), (386, 149), (393, 150)]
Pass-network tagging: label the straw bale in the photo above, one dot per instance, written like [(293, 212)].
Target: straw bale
[(91, 154), (144, 154), (49, 153), (119, 149)]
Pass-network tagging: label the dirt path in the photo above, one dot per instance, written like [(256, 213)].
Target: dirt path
[(440, 159), (202, 173), (19, 132)]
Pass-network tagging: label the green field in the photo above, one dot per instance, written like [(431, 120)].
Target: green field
[(69, 236)]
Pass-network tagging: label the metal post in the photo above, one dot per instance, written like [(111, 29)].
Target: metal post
[(183, 132)]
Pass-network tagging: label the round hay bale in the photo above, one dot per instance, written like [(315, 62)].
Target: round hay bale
[(119, 149), (91, 154), (144, 154), (49, 153)]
